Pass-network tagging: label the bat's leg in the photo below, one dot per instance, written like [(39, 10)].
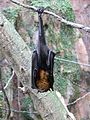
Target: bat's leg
[(50, 65), (34, 68)]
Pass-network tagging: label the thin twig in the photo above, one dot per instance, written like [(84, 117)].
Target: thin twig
[(19, 111), (73, 24), (79, 86), (79, 99), (8, 82), (73, 62)]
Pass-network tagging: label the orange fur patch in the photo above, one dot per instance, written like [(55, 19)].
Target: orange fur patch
[(43, 83)]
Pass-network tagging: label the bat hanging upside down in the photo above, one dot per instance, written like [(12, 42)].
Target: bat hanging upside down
[(42, 61)]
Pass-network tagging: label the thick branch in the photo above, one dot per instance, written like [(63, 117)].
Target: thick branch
[(73, 24), (15, 50), (50, 105)]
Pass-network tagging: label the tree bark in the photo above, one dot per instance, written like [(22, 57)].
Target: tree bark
[(50, 105)]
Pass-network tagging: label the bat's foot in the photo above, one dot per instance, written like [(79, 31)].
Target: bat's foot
[(41, 91)]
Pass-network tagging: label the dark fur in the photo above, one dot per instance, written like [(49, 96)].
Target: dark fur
[(42, 60)]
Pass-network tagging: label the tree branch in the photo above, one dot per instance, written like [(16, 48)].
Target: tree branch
[(72, 24), (80, 98), (15, 50)]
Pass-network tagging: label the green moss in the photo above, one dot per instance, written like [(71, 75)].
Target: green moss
[(40, 3), (11, 13), (26, 103)]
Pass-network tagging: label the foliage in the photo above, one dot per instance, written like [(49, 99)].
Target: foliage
[(11, 13), (26, 102), (41, 3)]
